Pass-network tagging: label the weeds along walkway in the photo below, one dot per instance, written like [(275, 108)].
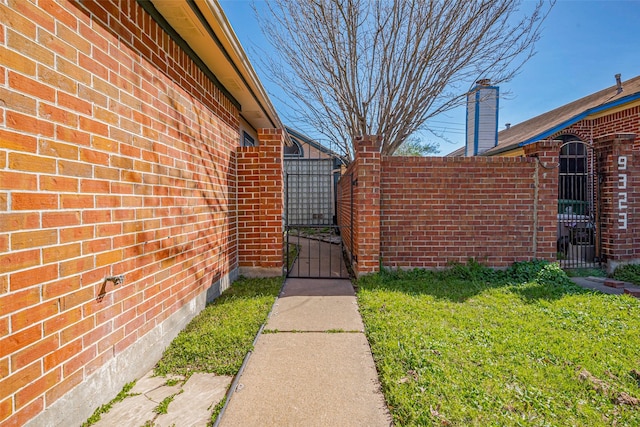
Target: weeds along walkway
[(312, 364)]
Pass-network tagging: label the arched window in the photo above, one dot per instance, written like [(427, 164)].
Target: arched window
[(293, 151), (573, 190)]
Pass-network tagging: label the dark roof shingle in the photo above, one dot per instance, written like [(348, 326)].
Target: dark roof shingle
[(553, 121)]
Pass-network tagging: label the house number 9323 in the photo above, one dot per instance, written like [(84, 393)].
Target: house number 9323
[(622, 193)]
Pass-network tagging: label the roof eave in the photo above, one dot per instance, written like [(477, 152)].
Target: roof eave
[(246, 66), (210, 35), (594, 110)]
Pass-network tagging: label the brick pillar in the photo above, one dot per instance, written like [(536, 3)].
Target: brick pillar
[(545, 209), (618, 169), (367, 203), (260, 203)]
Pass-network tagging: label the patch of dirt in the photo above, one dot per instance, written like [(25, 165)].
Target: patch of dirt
[(600, 386), (625, 399)]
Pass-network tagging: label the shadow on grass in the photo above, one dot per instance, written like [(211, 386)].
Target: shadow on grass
[(532, 280)]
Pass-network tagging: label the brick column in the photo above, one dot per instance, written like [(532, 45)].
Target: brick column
[(619, 174), (545, 209), (367, 204), (260, 204)]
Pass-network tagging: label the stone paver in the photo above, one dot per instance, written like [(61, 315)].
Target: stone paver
[(193, 407), (132, 411)]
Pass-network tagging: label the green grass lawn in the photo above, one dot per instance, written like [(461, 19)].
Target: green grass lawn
[(217, 340), (475, 347)]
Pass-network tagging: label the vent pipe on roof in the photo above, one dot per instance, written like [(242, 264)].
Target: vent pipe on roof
[(619, 83), (507, 125)]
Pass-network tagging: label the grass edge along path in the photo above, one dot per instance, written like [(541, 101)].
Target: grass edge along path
[(471, 346), (217, 339), (628, 273)]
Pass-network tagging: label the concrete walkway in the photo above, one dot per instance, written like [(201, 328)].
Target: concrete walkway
[(607, 285), (312, 366)]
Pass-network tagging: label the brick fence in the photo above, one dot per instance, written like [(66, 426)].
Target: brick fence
[(429, 211), (260, 204), (118, 156)]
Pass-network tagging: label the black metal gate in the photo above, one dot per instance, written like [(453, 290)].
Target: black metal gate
[(578, 233), (313, 243)]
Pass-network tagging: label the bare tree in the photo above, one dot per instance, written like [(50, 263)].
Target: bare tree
[(378, 67)]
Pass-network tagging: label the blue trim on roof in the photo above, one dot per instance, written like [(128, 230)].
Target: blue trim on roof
[(466, 128), (476, 123), (497, 112), (579, 117)]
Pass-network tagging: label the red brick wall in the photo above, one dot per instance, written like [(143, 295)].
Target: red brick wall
[(260, 202), (619, 170), (347, 208), (438, 210), (433, 210), (624, 121), (116, 157), (367, 198)]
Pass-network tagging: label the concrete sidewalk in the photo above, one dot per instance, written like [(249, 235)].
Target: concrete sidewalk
[(312, 366)]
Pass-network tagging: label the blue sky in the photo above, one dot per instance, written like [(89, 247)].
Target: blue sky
[(582, 46)]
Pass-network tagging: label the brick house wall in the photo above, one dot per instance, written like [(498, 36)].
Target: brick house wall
[(117, 157), (424, 212), (622, 121)]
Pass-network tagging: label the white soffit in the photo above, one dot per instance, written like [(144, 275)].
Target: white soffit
[(232, 69)]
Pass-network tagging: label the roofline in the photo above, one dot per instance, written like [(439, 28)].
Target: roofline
[(315, 144), (150, 8), (234, 53), (214, 6), (312, 142), (573, 120)]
